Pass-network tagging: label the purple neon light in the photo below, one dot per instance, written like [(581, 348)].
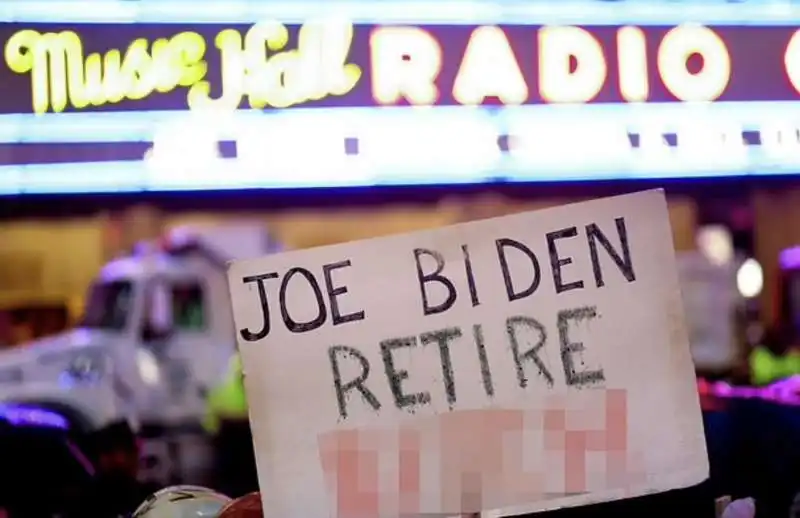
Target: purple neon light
[(790, 258), (81, 458), (30, 416)]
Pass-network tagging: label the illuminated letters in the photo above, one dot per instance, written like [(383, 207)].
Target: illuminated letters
[(405, 64), (632, 55), (60, 75), (681, 43), (559, 84), (791, 60), (258, 68), (233, 69), (489, 69), (317, 69)]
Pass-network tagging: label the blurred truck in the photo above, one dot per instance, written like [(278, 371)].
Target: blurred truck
[(156, 335)]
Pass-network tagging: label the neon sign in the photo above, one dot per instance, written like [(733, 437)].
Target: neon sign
[(407, 61), (270, 65), (647, 102), (62, 76)]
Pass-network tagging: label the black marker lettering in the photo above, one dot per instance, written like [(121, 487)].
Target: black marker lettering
[(334, 353), (260, 281), (486, 372), (504, 243), (436, 276), (556, 262), (443, 338), (569, 348), (513, 326), (473, 290), (335, 291), (624, 262), (316, 322), (396, 377)]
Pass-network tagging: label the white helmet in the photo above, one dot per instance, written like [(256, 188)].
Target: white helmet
[(182, 502)]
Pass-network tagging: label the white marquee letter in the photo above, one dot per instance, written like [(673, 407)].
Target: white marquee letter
[(632, 55), (489, 69), (557, 83), (405, 63), (677, 46)]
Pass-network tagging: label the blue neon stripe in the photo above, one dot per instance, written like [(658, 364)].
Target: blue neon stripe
[(132, 176), (416, 11), (109, 177), (141, 126)]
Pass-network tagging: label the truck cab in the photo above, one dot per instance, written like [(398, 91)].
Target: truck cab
[(156, 335)]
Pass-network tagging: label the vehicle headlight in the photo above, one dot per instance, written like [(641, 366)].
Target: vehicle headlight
[(85, 368)]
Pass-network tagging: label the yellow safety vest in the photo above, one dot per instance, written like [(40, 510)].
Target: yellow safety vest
[(766, 367), (227, 400)]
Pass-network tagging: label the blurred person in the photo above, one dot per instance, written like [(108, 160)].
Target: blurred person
[(117, 490), (227, 420), (774, 359), (43, 472)]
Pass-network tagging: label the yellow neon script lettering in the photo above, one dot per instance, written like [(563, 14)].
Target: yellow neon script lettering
[(61, 76), (268, 75), (257, 66)]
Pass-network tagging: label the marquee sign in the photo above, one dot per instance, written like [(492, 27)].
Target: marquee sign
[(55, 68), (503, 103)]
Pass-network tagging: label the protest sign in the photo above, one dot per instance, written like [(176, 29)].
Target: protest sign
[(537, 360)]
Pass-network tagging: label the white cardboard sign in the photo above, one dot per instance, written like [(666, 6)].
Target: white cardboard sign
[(532, 361)]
